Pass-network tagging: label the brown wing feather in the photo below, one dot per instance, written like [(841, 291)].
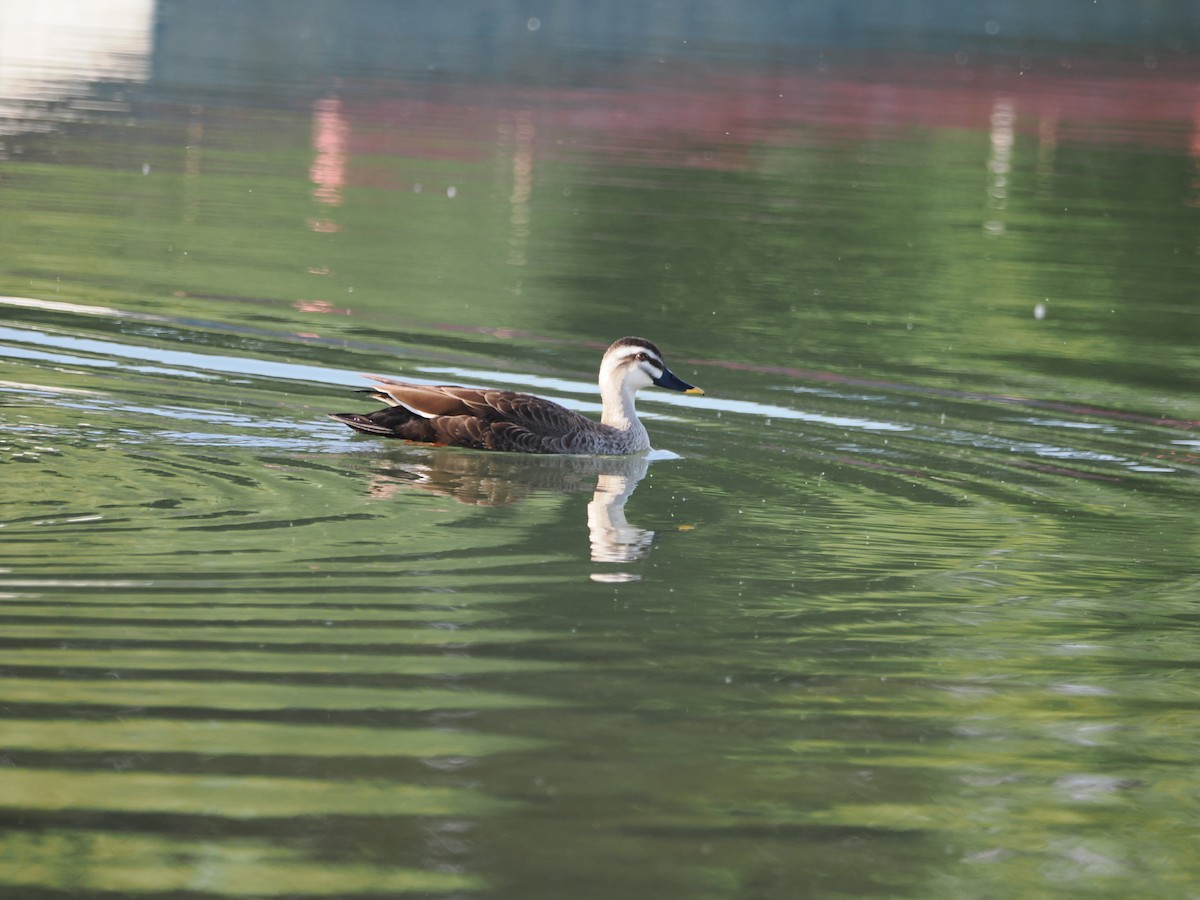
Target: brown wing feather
[(436, 401), (474, 417), (424, 399), (540, 416)]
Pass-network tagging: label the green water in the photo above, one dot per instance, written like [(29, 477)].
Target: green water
[(904, 606)]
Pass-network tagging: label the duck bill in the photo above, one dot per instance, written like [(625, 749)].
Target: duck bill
[(671, 382)]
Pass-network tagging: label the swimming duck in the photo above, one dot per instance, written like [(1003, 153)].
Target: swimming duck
[(505, 420)]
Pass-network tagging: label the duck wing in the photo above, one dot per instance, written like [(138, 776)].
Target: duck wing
[(486, 419)]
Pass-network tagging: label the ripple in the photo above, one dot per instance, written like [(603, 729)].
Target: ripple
[(133, 864), (234, 798)]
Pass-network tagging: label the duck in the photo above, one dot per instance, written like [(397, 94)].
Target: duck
[(498, 420)]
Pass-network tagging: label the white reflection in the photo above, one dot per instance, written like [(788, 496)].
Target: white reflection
[(1002, 138), (51, 49), (111, 353), (232, 365), (522, 133), (78, 308), (613, 539)]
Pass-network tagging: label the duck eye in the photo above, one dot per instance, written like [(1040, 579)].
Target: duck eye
[(641, 357)]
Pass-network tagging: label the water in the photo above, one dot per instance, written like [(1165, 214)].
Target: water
[(904, 606)]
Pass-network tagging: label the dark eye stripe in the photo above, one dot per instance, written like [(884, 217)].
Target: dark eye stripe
[(643, 356)]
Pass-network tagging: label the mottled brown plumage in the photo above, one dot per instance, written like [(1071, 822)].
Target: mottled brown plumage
[(486, 419)]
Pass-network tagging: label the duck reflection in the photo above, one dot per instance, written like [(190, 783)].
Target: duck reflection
[(613, 539), (481, 479)]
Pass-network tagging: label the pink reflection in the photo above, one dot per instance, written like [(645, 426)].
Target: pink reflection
[(320, 306), (1194, 152), (328, 170), (522, 133), (1047, 145), (722, 118)]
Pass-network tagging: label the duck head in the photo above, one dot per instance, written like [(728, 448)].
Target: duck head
[(633, 363)]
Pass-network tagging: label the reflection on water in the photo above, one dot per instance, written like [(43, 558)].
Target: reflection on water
[(904, 606), (53, 54), (488, 479), (613, 539)]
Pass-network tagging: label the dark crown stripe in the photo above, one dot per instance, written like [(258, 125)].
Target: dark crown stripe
[(638, 342)]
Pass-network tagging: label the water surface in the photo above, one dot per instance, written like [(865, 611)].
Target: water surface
[(905, 606)]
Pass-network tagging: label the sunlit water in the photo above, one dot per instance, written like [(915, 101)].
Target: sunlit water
[(905, 605)]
